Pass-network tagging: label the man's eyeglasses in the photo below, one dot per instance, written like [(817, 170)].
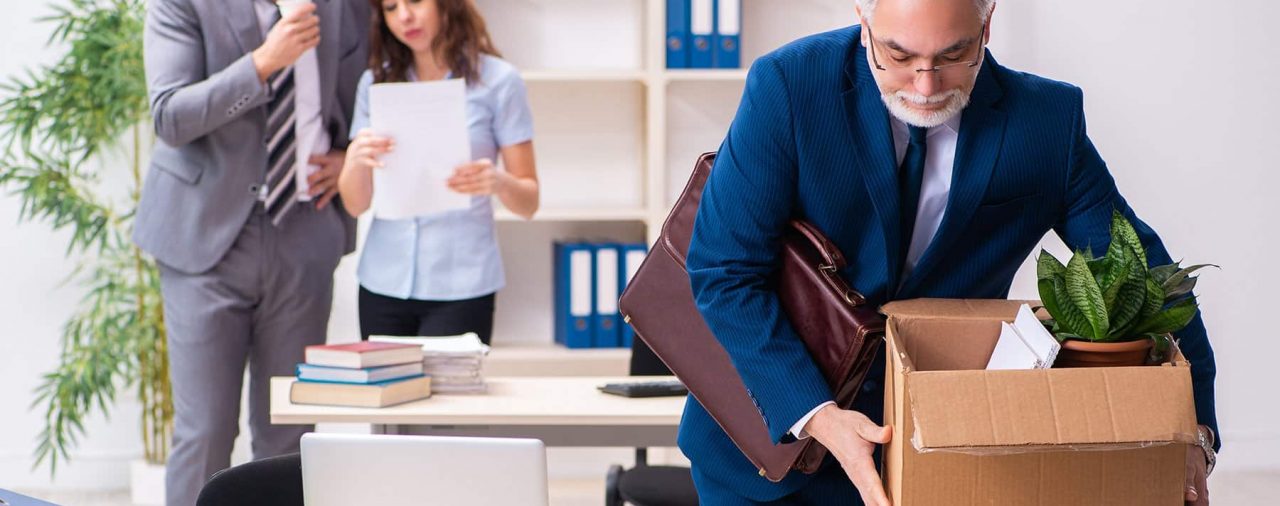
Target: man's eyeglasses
[(903, 71)]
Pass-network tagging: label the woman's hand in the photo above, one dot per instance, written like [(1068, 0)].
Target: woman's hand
[(355, 181), (365, 149), (477, 178)]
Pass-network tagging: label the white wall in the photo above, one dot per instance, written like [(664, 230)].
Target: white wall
[(1181, 101)]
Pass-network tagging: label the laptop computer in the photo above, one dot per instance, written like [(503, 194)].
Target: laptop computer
[(8, 498), (346, 469)]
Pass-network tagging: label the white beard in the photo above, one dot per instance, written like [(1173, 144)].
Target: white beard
[(896, 102)]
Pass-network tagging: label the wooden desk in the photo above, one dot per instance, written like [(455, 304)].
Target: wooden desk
[(561, 411), (554, 360)]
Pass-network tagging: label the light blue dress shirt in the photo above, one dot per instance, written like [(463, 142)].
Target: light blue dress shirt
[(451, 255)]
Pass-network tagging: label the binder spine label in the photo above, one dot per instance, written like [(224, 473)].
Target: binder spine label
[(607, 277), (580, 283)]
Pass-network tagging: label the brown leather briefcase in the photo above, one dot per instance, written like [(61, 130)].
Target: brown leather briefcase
[(840, 330)]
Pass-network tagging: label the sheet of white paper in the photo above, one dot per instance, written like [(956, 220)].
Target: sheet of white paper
[(428, 123), (462, 344), (1038, 338), (1011, 352)]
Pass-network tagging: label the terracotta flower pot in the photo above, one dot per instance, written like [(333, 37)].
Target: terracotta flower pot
[(1076, 353)]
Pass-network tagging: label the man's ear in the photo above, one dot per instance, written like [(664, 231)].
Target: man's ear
[(857, 9), (989, 16)]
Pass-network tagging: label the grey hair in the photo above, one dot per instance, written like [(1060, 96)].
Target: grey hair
[(984, 8)]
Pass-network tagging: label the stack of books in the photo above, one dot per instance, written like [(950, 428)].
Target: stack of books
[(453, 362), (363, 374)]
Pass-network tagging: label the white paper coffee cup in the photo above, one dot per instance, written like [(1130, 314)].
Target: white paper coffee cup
[(287, 6)]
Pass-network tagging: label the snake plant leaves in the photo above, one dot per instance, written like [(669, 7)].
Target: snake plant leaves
[(1122, 230), (1084, 294), (1097, 265), (1174, 318), (1111, 278), (1177, 292), (1063, 336), (1126, 296), (1163, 272), (1151, 306), (1048, 297), (1179, 278), (1104, 272), (1047, 266), (1115, 297), (1070, 318)]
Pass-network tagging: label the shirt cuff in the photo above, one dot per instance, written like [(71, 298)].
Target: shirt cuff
[(797, 430)]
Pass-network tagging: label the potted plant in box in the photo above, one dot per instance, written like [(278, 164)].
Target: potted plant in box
[(1112, 310)]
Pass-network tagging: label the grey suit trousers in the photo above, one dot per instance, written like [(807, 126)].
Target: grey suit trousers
[(261, 304)]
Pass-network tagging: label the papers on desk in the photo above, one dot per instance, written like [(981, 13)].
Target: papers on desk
[(1025, 344), (453, 362), (428, 123), (460, 346)]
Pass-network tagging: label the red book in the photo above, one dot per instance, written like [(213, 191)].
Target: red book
[(363, 354)]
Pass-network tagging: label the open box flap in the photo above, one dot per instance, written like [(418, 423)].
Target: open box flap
[(983, 309)]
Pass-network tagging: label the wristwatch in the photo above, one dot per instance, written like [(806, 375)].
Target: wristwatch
[(1206, 439)]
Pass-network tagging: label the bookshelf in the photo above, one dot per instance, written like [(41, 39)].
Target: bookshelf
[(696, 75), (616, 132)]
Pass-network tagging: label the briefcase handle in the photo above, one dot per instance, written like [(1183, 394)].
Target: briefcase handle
[(832, 261), (831, 257)]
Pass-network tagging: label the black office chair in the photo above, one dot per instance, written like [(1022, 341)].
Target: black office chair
[(274, 481), (646, 485)]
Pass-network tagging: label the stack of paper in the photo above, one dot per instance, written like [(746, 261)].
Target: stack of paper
[(1024, 345), (453, 362)]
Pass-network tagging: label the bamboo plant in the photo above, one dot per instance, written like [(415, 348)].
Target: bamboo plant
[(56, 124)]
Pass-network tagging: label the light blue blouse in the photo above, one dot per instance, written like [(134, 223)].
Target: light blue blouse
[(451, 255)]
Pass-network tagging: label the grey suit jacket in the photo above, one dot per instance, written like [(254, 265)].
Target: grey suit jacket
[(209, 110)]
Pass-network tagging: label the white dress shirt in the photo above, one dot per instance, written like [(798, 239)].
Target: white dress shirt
[(311, 137), (940, 155)]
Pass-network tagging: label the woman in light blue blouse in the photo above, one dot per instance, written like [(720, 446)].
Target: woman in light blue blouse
[(437, 274)]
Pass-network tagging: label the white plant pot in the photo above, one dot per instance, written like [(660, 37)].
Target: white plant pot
[(146, 483)]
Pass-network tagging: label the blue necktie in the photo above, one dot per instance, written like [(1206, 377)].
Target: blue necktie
[(910, 174)]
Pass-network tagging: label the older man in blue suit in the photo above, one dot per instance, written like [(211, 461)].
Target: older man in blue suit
[(936, 171)]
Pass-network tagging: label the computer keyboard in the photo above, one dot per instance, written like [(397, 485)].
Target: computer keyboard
[(663, 388)]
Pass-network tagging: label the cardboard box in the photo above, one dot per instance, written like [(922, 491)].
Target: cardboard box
[(965, 435)]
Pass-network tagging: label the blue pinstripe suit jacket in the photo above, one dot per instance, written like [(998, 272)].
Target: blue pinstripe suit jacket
[(811, 140)]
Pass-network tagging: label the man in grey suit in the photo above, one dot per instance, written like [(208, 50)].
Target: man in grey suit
[(246, 249)]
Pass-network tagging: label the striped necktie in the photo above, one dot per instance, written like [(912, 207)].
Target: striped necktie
[(281, 146)]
